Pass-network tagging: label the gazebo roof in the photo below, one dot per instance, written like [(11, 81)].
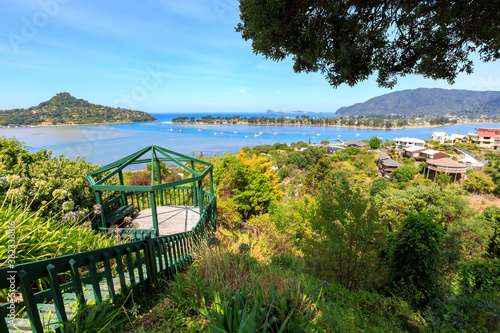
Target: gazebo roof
[(157, 155)]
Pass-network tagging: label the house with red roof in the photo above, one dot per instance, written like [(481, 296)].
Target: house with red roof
[(488, 138)]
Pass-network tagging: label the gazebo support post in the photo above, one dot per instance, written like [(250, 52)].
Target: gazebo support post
[(98, 199), (153, 212), (211, 182), (195, 195), (200, 197), (124, 197), (158, 172)]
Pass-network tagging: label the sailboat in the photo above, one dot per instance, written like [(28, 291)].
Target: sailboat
[(357, 135)]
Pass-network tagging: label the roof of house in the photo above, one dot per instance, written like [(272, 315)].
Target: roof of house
[(457, 136), (410, 140), (389, 162), (431, 152), (354, 142), (413, 149), (488, 129), (447, 162), (489, 134)]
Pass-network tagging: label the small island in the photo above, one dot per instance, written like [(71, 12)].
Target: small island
[(64, 109)]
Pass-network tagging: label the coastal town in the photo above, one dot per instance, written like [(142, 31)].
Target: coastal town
[(451, 158)]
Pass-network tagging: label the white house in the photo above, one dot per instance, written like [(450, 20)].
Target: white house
[(408, 142), (440, 137)]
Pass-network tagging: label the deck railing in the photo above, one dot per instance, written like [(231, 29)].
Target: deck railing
[(179, 196), (96, 275)]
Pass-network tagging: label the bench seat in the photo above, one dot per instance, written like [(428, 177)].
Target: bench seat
[(116, 215)]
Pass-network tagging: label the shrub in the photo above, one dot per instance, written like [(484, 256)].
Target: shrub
[(404, 173), (415, 258), (477, 182)]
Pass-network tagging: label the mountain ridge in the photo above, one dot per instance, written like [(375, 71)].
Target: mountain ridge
[(425, 102)]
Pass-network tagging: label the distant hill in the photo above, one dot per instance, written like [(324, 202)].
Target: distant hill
[(64, 109), (426, 102)]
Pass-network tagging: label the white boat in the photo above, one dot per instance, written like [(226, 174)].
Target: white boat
[(318, 134), (339, 135), (215, 133), (199, 129), (235, 132), (221, 132), (171, 130), (260, 133), (357, 135), (256, 135), (180, 130), (275, 133), (246, 136)]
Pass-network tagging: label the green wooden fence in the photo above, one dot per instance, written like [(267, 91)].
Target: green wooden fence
[(96, 275)]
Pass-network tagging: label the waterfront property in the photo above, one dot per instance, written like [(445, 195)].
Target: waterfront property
[(408, 142), (440, 137), (355, 144), (332, 149), (447, 165), (488, 138)]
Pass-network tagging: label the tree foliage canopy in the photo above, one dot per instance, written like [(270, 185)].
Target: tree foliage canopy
[(347, 41)]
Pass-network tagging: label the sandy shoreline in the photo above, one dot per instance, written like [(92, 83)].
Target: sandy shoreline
[(325, 125)]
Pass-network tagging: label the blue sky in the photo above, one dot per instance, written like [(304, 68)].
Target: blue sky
[(164, 56)]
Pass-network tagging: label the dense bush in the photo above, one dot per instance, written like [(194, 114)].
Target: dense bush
[(415, 258), (245, 184), (47, 184)]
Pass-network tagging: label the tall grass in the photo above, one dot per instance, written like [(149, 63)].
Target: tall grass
[(38, 238), (238, 290)]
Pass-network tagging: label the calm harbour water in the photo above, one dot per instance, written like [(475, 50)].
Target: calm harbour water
[(102, 144)]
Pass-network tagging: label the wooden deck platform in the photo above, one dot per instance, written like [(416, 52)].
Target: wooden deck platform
[(171, 219)]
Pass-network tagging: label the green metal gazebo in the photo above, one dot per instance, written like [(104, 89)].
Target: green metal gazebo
[(122, 200)]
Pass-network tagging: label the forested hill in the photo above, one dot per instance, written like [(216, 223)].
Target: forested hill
[(427, 102), (65, 109)]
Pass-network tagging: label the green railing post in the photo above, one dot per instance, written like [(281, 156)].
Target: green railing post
[(77, 283), (109, 277), (29, 300), (153, 212), (151, 257), (94, 279), (55, 291)]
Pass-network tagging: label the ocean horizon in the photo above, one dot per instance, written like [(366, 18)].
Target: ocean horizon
[(105, 143)]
